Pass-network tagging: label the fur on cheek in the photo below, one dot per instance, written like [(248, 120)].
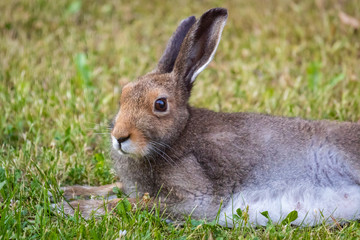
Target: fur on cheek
[(140, 142)]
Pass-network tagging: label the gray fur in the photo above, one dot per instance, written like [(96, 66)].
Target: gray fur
[(202, 157)]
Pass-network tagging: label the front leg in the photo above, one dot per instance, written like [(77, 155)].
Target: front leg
[(90, 207), (77, 191), (79, 197)]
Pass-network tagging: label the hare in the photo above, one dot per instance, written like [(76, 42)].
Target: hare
[(197, 160)]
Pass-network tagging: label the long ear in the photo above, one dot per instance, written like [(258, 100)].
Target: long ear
[(166, 62), (200, 45)]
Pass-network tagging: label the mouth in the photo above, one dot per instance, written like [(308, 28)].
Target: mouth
[(116, 146), (129, 154), (123, 152), (127, 148)]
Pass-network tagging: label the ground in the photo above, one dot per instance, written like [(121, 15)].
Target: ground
[(62, 65)]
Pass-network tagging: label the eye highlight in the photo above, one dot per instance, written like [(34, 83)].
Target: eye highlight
[(160, 104)]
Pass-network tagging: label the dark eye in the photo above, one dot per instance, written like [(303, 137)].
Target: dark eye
[(161, 105)]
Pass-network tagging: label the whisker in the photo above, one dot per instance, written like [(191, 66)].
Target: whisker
[(163, 154), (168, 147), (167, 158), (151, 169), (160, 153)]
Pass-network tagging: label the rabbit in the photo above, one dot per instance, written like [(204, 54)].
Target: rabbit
[(208, 164)]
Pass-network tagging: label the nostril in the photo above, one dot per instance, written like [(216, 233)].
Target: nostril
[(123, 139)]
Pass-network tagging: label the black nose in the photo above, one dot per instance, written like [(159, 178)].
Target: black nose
[(123, 139)]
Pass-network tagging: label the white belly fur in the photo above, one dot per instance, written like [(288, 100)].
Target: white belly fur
[(327, 188), (310, 203)]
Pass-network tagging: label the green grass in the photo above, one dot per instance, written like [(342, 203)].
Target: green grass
[(62, 65)]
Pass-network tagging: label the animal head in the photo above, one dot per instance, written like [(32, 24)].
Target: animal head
[(154, 108)]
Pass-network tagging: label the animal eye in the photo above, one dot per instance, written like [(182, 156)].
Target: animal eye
[(161, 105)]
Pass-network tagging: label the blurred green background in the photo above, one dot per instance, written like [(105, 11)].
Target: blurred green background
[(62, 65)]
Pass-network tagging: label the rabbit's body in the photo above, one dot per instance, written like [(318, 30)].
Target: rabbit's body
[(195, 157), (269, 163)]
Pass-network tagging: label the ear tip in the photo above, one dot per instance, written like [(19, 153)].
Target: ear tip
[(218, 12), (190, 20)]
